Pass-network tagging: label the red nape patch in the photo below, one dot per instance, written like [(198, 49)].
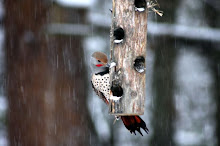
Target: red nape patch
[(99, 65)]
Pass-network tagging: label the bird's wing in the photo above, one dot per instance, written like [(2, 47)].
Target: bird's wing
[(100, 94)]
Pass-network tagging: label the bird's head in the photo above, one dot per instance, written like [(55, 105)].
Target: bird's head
[(98, 62)]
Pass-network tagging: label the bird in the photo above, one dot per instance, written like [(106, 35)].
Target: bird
[(101, 84)]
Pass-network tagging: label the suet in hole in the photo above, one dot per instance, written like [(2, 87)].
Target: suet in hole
[(119, 35), (140, 5), (117, 90), (139, 64)]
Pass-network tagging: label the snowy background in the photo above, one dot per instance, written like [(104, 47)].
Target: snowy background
[(195, 105)]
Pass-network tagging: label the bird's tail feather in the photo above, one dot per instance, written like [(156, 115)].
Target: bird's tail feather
[(133, 123)]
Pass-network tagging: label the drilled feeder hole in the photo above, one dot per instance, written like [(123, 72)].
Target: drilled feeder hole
[(139, 64), (119, 35), (117, 92), (140, 5)]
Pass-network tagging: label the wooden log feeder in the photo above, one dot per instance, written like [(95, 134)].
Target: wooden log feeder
[(128, 51)]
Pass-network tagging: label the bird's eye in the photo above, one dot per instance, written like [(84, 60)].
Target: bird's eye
[(99, 61)]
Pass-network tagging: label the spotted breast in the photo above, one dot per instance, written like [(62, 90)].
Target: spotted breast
[(102, 84)]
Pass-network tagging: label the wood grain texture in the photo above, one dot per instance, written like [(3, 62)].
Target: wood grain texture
[(134, 24)]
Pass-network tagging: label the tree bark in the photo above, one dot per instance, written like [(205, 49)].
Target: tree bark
[(27, 72), (134, 24), (46, 78)]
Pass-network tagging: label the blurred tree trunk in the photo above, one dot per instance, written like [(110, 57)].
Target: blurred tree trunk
[(163, 87), (164, 113), (215, 61), (211, 50), (46, 80)]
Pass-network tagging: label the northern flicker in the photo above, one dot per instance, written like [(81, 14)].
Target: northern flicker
[(101, 85)]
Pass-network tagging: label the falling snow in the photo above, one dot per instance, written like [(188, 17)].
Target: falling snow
[(194, 81)]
